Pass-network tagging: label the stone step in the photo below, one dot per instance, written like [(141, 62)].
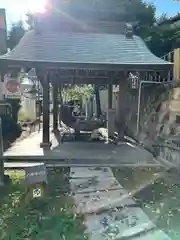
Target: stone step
[(85, 185), (117, 224), (109, 214), (90, 172), (100, 201)]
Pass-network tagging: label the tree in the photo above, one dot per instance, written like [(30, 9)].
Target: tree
[(77, 92), (163, 18), (119, 10), (160, 40), (141, 14), (16, 33), (163, 39)]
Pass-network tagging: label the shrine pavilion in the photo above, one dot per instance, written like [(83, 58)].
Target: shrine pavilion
[(80, 46)]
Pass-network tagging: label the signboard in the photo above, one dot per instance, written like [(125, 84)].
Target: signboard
[(12, 88), (37, 193), (36, 174)]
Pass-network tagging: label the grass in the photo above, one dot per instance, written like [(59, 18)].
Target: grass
[(49, 218), (159, 200)]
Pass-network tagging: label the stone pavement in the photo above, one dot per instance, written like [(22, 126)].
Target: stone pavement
[(110, 212)]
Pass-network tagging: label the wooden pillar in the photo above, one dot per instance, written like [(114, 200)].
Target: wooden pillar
[(110, 96), (46, 114), (2, 74), (98, 101), (122, 106), (1, 157), (55, 109), (110, 112), (60, 102)]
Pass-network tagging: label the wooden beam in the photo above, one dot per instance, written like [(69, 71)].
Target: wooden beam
[(81, 76), (88, 66), (84, 73), (81, 80)]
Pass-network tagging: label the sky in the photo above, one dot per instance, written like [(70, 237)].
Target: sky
[(16, 9), (171, 7)]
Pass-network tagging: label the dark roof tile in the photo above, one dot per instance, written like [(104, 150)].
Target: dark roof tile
[(83, 48)]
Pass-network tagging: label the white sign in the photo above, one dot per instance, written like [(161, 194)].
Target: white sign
[(37, 193), (12, 88)]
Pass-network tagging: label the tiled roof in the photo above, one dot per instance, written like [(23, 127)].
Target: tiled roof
[(85, 48)]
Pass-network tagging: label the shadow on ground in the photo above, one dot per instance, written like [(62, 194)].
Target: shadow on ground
[(158, 192)]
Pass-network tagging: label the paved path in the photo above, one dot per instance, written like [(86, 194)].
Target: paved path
[(110, 212)]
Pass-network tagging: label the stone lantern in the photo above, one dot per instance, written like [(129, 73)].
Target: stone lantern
[(33, 91)]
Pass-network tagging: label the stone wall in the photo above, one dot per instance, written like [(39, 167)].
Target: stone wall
[(169, 154), (159, 114), (151, 98), (169, 114)]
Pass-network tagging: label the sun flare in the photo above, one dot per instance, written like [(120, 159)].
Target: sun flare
[(36, 5)]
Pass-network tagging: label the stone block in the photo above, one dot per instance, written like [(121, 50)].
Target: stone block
[(94, 184), (117, 224), (98, 201), (90, 172)]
